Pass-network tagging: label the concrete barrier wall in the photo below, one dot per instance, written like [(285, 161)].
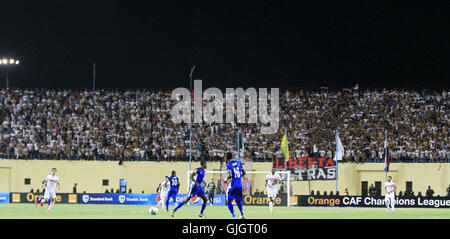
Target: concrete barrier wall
[(147, 175)]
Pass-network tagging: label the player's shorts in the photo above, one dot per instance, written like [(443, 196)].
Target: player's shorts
[(390, 197), (49, 194), (172, 194), (271, 193), (195, 191), (235, 193), (163, 194)]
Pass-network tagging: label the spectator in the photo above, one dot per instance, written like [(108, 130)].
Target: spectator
[(31, 191), (117, 191), (429, 192), (372, 190), (331, 193), (346, 192), (282, 188), (106, 191), (112, 125), (448, 191), (400, 194), (256, 192), (312, 192), (419, 194), (324, 193), (142, 191), (337, 193), (318, 193), (129, 190), (74, 190), (37, 191), (111, 191)]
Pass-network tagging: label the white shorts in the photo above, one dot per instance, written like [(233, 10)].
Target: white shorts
[(390, 197), (271, 193), (163, 194), (49, 194)]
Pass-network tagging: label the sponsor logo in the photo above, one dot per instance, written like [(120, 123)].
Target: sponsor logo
[(262, 200), (15, 197), (122, 198), (195, 199), (72, 198), (85, 198), (330, 202), (31, 197)]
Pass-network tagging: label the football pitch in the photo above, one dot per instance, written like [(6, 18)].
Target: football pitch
[(77, 211)]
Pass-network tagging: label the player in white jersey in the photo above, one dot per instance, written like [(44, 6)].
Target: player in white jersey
[(51, 181), (163, 189), (272, 180), (389, 199)]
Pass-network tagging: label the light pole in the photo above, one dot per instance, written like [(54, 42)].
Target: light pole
[(6, 63)]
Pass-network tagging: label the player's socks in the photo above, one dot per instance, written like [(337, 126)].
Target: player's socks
[(178, 206), (42, 203), (50, 206), (203, 209), (230, 207), (239, 204), (167, 204), (270, 207)]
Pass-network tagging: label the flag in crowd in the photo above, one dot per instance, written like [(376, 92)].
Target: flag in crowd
[(339, 149), (285, 146), (240, 144), (387, 159)]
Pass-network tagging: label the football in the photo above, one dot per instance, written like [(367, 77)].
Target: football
[(153, 210)]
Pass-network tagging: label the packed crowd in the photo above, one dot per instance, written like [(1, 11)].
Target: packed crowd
[(136, 125)]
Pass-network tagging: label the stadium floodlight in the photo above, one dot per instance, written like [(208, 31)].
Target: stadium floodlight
[(5, 62)]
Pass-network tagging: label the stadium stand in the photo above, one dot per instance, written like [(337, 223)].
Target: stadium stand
[(135, 125)]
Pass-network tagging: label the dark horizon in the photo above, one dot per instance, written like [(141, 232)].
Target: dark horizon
[(232, 44)]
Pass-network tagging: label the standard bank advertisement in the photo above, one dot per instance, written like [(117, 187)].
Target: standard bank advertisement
[(140, 199)]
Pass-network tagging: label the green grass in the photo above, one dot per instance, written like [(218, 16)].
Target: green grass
[(77, 211)]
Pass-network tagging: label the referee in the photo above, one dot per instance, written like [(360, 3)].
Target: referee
[(211, 189)]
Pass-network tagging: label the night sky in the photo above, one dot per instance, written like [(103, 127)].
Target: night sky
[(139, 44)]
